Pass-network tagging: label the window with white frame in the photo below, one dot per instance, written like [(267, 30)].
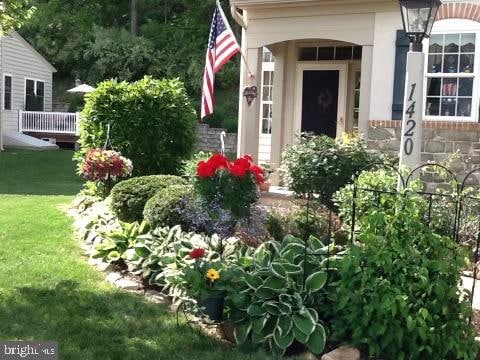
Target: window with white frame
[(452, 71), (34, 95), (267, 92)]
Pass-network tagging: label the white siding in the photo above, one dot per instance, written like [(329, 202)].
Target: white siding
[(21, 62)]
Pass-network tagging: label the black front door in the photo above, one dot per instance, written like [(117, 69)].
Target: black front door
[(320, 102)]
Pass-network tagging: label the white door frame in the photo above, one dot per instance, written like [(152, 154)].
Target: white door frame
[(342, 68)]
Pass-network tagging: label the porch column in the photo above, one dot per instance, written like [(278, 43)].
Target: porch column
[(278, 120), (249, 116), (365, 89)]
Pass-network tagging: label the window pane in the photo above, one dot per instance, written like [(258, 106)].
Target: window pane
[(40, 88), (434, 63), (267, 93), (464, 107), (266, 126), (8, 84), (343, 53), (451, 43), (436, 44), (450, 63), (8, 102), (266, 77), (267, 55), (326, 53), (448, 106), (357, 52), (30, 87), (267, 110), (433, 106), (449, 87), (465, 87), (433, 86), (308, 54), (468, 43), (466, 63)]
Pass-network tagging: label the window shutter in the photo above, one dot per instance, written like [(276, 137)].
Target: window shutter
[(402, 45)]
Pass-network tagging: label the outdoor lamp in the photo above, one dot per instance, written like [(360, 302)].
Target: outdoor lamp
[(418, 17)]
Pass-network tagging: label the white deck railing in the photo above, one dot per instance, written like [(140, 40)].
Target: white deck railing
[(48, 122)]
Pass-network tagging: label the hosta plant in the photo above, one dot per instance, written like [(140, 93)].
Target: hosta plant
[(115, 243), (274, 301), (160, 255)]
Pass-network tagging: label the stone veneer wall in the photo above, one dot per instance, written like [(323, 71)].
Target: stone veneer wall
[(208, 139), (440, 139)]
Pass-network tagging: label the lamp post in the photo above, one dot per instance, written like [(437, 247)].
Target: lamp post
[(418, 17)]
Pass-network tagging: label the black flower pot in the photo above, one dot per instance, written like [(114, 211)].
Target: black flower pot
[(212, 307)]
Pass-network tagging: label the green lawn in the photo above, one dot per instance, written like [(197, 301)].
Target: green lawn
[(49, 292)]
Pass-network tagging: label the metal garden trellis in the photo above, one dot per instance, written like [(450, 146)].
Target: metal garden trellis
[(458, 197)]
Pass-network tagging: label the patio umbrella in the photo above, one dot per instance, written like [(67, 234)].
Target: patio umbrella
[(83, 89)]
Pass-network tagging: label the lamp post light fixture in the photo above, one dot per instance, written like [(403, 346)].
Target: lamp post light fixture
[(418, 17)]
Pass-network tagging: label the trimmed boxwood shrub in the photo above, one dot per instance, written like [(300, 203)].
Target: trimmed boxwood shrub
[(163, 208), (130, 196), (152, 123)]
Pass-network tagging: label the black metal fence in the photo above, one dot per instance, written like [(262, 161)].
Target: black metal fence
[(452, 210)]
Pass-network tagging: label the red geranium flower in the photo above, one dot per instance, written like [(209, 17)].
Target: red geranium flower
[(248, 158), (197, 253), (238, 170), (257, 170), (259, 179), (218, 161), (205, 170), (243, 163)]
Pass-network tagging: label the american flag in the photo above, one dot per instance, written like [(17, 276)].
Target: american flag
[(222, 46)]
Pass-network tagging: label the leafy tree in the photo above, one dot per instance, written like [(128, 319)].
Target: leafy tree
[(16, 12), (91, 40)]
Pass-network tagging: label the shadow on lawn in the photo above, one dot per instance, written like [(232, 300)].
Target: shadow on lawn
[(109, 325)]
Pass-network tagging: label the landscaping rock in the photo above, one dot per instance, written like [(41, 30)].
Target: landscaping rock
[(343, 353), (156, 297), (127, 284), (105, 267), (113, 277)]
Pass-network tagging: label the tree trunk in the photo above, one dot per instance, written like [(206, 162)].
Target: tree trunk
[(134, 17)]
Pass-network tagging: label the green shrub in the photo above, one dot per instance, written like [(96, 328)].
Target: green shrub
[(321, 165), (114, 244), (163, 209), (130, 196), (268, 301), (398, 292), (302, 222), (152, 123), (189, 167), (377, 188), (382, 181)]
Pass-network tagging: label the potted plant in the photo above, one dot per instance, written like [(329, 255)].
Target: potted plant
[(205, 282), (267, 170), (104, 167)]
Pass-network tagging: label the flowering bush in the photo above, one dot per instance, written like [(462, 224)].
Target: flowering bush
[(232, 185), (104, 166), (203, 279)]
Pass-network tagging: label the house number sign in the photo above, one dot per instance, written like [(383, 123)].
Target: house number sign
[(409, 132), (411, 141)]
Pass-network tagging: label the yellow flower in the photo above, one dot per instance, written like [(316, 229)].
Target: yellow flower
[(213, 275)]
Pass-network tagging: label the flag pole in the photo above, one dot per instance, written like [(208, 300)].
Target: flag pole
[(250, 74)]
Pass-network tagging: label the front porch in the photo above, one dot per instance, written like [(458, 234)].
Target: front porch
[(329, 61)]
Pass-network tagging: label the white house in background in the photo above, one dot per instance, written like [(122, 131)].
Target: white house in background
[(26, 97), (333, 66)]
